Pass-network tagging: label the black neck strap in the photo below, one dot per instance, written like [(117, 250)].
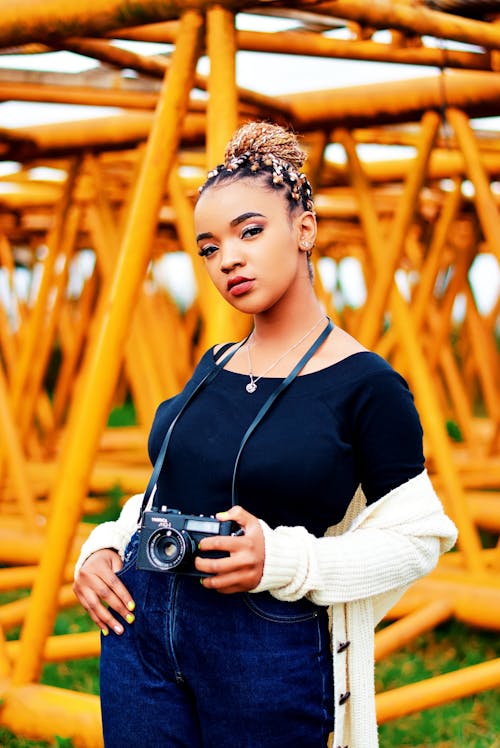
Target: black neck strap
[(258, 418)]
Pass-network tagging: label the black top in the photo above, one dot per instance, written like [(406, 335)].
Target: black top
[(350, 423)]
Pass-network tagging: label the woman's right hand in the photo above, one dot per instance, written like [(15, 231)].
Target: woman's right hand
[(98, 587)]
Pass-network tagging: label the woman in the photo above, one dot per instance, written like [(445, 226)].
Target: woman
[(253, 666)]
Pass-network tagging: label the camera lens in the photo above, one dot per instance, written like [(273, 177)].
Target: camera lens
[(168, 548)]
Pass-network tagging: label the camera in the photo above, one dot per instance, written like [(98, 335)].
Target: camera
[(168, 540)]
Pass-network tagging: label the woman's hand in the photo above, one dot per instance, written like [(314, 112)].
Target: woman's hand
[(242, 569), (97, 584)]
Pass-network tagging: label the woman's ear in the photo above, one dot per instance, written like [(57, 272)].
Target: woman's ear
[(307, 229)]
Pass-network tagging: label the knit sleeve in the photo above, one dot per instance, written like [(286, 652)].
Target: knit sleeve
[(389, 545), (115, 534)]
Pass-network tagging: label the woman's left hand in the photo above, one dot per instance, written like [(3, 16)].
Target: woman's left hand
[(242, 569)]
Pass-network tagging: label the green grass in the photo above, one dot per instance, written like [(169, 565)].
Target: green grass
[(465, 723)]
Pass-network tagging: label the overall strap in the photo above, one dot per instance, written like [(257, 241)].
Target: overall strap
[(207, 379), (274, 395)]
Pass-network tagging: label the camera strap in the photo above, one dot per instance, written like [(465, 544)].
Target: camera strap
[(273, 397), (207, 379)]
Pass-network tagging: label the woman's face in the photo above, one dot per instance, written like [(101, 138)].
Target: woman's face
[(250, 243)]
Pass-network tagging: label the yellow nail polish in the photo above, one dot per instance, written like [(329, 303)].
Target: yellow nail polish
[(131, 605), (130, 618), (104, 632), (223, 515)]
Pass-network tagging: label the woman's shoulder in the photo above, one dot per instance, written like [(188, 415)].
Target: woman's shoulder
[(218, 351)]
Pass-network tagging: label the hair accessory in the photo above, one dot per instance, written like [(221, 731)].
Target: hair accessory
[(282, 173), (252, 384)]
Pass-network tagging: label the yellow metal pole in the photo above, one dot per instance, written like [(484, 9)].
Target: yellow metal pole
[(222, 323), (485, 353), (34, 20), (45, 341), (222, 107), (41, 712), (33, 328), (413, 20), (5, 661), (484, 199), (312, 44), (8, 335), (72, 353), (439, 690), (370, 326), (89, 412), (402, 632), (63, 647), (422, 384), (10, 448), (139, 366)]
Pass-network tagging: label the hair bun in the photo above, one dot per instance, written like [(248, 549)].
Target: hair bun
[(261, 139)]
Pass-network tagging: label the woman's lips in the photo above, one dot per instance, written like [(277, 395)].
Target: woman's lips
[(239, 286)]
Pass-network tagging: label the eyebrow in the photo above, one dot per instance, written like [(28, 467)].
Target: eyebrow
[(235, 222), (244, 216)]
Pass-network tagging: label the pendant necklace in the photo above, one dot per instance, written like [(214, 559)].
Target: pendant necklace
[(252, 384)]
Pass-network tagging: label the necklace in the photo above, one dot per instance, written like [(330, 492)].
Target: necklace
[(252, 384)]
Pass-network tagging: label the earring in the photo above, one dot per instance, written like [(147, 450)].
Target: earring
[(306, 245)]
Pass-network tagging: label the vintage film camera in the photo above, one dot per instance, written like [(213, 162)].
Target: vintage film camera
[(169, 540)]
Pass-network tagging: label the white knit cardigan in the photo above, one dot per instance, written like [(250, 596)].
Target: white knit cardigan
[(360, 568)]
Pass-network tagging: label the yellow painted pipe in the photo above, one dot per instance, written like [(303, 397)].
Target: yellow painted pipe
[(223, 323), (369, 330), (474, 603), (439, 690), (378, 104), (42, 712), (406, 333), (38, 20), (312, 44), (484, 200), (89, 412), (18, 577), (406, 629), (11, 450), (14, 613), (410, 19), (63, 647), (35, 326), (80, 95)]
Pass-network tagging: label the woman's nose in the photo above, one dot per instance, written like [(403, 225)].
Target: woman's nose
[(230, 257)]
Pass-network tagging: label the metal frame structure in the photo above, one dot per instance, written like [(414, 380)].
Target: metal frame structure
[(127, 193)]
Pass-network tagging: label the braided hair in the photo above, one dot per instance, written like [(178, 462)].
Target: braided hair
[(264, 150)]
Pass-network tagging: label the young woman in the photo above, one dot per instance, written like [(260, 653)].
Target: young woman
[(275, 433)]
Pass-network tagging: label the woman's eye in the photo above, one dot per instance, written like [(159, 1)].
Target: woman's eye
[(207, 250), (250, 231)]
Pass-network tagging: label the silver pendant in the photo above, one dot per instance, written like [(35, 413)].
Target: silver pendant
[(251, 387)]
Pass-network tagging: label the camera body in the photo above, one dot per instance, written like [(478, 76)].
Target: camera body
[(168, 540)]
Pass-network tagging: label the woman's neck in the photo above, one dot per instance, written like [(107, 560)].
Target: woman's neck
[(270, 327)]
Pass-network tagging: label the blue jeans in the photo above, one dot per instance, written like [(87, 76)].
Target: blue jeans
[(201, 669)]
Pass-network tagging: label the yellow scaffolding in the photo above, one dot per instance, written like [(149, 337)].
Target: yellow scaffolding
[(124, 196)]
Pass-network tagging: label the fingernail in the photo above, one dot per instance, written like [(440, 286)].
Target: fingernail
[(104, 632), (118, 629), (223, 515), (201, 581), (130, 618), (131, 605)]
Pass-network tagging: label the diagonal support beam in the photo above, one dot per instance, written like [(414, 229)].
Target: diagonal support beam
[(102, 365)]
